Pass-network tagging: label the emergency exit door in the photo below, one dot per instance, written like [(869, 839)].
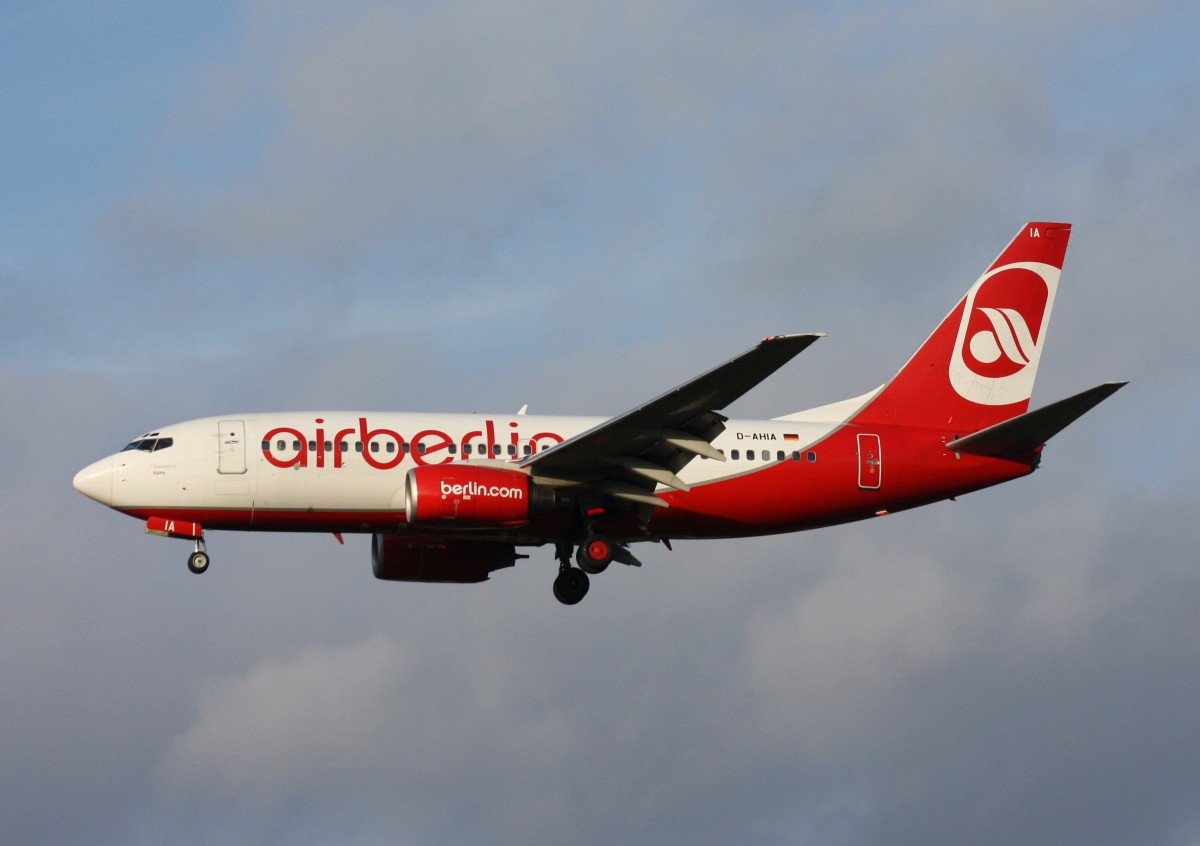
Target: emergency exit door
[(231, 447), (870, 462)]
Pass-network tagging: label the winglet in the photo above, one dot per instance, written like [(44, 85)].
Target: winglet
[(1027, 432)]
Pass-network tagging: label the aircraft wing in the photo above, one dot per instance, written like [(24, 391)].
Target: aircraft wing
[(627, 456)]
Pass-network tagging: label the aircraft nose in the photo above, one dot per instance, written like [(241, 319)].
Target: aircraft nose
[(95, 481)]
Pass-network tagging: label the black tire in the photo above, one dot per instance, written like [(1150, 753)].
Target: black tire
[(571, 586), (594, 554), (198, 562)]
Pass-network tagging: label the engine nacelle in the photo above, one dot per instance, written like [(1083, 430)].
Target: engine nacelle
[(468, 495), (399, 558)]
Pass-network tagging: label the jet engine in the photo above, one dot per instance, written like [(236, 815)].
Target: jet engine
[(466, 495), (399, 558)]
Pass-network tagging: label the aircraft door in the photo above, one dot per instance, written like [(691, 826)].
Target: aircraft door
[(231, 447), (870, 462)]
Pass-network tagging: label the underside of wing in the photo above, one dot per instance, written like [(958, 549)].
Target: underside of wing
[(627, 457)]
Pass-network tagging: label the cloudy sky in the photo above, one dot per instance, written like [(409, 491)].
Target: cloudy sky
[(235, 206)]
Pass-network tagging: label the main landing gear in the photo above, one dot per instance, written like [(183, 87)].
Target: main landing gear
[(593, 556), (198, 560), (572, 583)]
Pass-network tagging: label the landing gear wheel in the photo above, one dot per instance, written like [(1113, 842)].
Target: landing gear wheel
[(198, 561), (571, 585), (595, 554)]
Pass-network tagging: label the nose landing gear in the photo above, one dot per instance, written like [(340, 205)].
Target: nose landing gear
[(170, 528), (198, 560)]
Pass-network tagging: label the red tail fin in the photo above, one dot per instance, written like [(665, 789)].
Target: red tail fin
[(978, 366)]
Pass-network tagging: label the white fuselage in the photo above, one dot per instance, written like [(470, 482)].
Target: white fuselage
[(290, 468)]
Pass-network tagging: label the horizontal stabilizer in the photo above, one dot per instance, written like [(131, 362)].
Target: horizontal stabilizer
[(1029, 431)]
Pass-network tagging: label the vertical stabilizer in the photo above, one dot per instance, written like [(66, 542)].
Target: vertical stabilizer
[(979, 365)]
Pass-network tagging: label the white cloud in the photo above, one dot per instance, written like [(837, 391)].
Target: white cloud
[(830, 668), (286, 727)]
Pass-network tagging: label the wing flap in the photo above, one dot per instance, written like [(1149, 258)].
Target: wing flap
[(629, 493), (688, 443), (650, 470)]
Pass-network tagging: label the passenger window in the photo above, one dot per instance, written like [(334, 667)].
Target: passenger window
[(452, 449), (374, 446), (296, 446), (512, 449), (329, 446), (749, 455), (779, 456), (796, 456), (812, 457), (421, 448), (358, 447), (735, 454), (528, 449), (466, 449), (344, 446), (312, 446), (281, 445), (766, 455)]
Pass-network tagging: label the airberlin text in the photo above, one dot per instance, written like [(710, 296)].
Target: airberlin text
[(384, 449)]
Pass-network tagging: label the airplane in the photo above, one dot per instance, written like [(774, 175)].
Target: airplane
[(452, 497)]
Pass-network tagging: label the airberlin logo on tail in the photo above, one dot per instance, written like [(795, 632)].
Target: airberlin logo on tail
[(1003, 347), (1000, 338)]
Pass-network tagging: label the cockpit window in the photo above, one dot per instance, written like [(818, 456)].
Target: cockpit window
[(149, 444)]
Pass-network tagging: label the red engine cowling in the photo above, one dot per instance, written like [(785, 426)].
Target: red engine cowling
[(399, 558), (466, 495)]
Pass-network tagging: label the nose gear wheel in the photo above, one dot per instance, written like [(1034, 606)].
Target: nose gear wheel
[(198, 560)]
